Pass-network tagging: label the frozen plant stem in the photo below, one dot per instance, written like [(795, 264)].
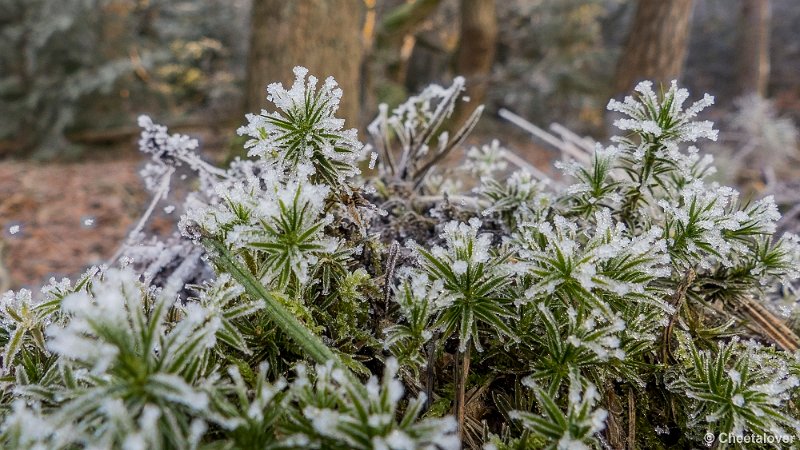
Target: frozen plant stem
[(160, 194), (678, 298), (311, 344), (462, 375), (771, 326)]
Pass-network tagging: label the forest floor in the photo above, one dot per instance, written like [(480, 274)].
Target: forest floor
[(69, 215)]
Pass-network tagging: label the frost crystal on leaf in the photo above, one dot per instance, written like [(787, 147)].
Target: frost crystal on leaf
[(574, 428), (473, 283), (288, 231), (304, 131), (367, 418), (663, 118), (487, 159), (738, 388)]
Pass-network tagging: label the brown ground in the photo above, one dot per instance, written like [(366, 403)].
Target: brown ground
[(53, 204)]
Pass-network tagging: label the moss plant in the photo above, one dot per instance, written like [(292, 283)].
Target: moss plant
[(305, 304)]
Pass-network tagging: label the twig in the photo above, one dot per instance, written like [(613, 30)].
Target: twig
[(138, 66), (388, 276), (381, 136), (463, 200), (160, 194), (430, 371), (771, 326), (515, 159), (462, 134), (584, 143), (677, 301), (631, 420), (462, 373), (614, 431), (571, 150)]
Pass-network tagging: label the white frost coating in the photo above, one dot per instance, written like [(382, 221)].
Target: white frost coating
[(520, 194), (470, 265), (108, 333), (578, 424), (594, 266), (373, 416), (487, 159), (559, 255), (682, 127), (705, 216), (373, 158), (305, 115)]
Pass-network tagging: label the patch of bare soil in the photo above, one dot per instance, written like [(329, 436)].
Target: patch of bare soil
[(56, 219)]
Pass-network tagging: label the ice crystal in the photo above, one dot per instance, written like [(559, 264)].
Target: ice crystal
[(518, 198), (288, 231), (705, 226), (416, 298), (566, 264), (161, 145), (222, 301), (23, 320), (118, 347)]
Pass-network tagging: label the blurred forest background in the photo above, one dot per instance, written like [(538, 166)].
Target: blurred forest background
[(74, 74)]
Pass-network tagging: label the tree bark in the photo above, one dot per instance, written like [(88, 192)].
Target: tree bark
[(753, 70), (322, 35), (476, 50), (657, 43)]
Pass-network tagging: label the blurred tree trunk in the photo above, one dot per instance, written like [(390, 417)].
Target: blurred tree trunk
[(400, 23), (385, 67), (753, 73), (322, 35), (476, 48), (657, 43)]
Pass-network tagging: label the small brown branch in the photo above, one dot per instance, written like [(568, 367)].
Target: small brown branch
[(388, 276), (462, 373), (430, 371), (614, 430), (631, 420), (678, 299), (138, 66), (771, 326)]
